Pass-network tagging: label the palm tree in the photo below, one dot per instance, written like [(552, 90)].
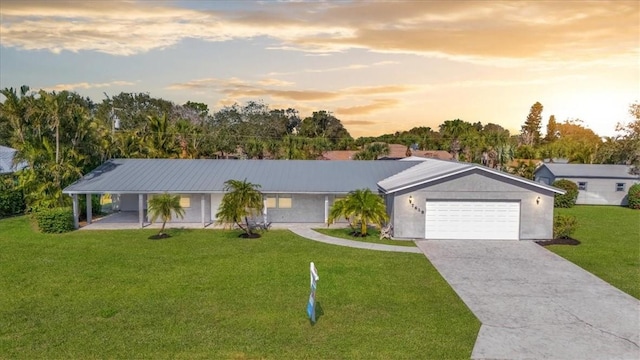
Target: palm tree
[(241, 200), (161, 206), (361, 207)]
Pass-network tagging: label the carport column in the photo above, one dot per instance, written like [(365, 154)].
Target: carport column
[(326, 208), (202, 208), (264, 210), (76, 211), (88, 208), (141, 210)]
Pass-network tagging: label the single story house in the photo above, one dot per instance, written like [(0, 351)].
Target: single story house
[(598, 184), (431, 198), (7, 161)]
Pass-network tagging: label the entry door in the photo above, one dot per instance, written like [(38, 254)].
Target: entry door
[(472, 220)]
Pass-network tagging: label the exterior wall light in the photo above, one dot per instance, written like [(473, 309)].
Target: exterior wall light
[(538, 200), (410, 199)]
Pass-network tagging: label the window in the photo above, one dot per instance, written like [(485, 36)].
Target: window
[(271, 202), (619, 186), (582, 185), (185, 201), (284, 201)]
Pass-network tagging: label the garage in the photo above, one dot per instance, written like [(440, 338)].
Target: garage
[(488, 220)]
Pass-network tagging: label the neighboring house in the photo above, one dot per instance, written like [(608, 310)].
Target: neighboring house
[(598, 184), (7, 156), (396, 152), (425, 199)]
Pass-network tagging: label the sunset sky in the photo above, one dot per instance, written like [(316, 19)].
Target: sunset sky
[(380, 66)]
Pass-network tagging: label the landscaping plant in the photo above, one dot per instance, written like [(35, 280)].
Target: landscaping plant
[(361, 208), (564, 226), (569, 198), (634, 196), (162, 206), (241, 200), (57, 220)]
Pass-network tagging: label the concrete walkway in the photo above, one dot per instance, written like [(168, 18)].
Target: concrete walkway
[(307, 232), (534, 304)]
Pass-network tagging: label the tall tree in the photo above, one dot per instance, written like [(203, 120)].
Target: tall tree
[(241, 200), (452, 131), (163, 206), (552, 130), (323, 124), (361, 208), (531, 128)]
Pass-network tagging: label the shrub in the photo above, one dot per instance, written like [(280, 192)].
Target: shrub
[(569, 198), (634, 196), (564, 226), (56, 220), (11, 198)]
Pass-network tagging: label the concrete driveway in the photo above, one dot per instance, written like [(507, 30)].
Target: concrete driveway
[(534, 304)]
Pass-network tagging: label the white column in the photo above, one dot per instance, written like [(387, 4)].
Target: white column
[(76, 211), (202, 202), (213, 211), (326, 208), (264, 210), (141, 210), (88, 208)]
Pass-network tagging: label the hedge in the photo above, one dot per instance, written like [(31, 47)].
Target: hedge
[(634, 196), (569, 198), (11, 198), (56, 220), (564, 226)]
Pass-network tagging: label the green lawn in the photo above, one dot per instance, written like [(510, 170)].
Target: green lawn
[(610, 244), (208, 294), (373, 236)]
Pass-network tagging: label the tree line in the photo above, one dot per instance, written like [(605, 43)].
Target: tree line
[(62, 135)]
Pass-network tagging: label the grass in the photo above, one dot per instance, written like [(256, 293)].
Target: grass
[(208, 294), (610, 245), (373, 236)]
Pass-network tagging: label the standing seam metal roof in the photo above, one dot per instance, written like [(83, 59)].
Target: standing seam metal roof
[(433, 169), (274, 176), (590, 171)]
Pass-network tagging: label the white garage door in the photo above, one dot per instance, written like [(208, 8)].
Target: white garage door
[(472, 220)]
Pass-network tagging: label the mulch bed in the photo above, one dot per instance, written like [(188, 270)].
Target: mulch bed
[(564, 241), (249, 236), (159, 236)]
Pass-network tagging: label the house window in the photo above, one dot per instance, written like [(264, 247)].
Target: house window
[(284, 201), (185, 201), (271, 202), (582, 185), (619, 186)]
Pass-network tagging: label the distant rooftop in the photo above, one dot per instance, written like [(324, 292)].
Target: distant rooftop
[(590, 170)]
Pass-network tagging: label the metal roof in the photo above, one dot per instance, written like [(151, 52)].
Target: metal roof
[(590, 171), (6, 160), (196, 176), (433, 169)]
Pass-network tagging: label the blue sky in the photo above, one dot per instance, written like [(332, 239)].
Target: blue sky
[(378, 66)]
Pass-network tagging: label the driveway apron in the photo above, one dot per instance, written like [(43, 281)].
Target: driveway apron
[(534, 304)]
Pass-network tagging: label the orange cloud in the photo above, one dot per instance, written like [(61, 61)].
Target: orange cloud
[(376, 105), (465, 30)]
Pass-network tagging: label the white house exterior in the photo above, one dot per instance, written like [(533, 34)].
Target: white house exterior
[(598, 184)]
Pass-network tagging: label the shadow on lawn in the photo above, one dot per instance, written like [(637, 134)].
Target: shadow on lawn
[(319, 313), (170, 233)]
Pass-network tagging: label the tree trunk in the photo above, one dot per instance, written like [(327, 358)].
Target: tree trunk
[(162, 228)]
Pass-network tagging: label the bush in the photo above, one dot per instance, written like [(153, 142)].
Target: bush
[(56, 220), (569, 198), (564, 226), (96, 207), (11, 198), (634, 196)]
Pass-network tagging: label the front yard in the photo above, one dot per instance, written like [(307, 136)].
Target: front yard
[(209, 294), (610, 245)]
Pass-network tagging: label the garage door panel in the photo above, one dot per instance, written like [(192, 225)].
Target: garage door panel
[(472, 220)]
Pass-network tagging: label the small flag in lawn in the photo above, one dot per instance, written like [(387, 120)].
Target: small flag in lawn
[(311, 305)]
